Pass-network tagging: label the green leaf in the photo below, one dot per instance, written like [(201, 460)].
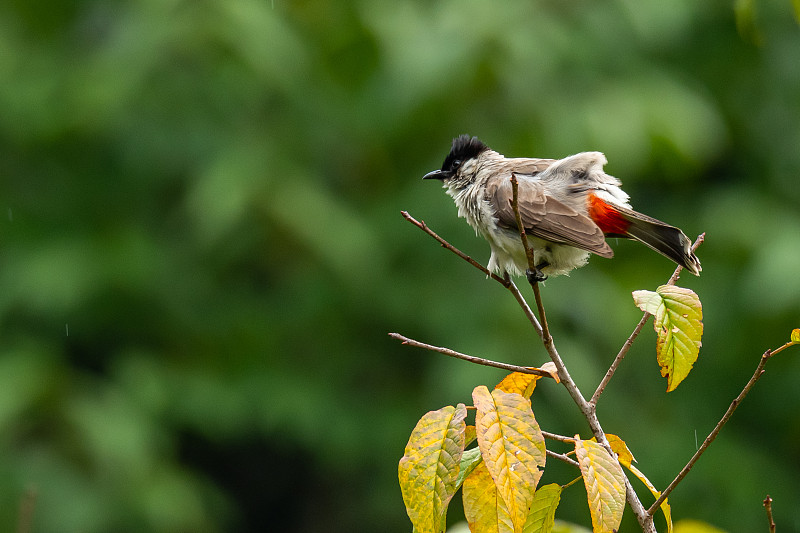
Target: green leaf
[(543, 509), (429, 468), (677, 315), (469, 461), (512, 447), (605, 485)]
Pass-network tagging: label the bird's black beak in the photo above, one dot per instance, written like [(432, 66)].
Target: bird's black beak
[(436, 175)]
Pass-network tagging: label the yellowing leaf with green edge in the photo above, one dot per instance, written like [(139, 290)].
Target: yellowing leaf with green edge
[(519, 382), (543, 510), (484, 509), (605, 485), (795, 335), (512, 447), (430, 465), (677, 319)]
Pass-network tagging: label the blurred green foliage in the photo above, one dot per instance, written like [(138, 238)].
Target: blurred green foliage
[(201, 250)]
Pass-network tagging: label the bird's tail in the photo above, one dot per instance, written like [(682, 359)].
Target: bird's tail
[(667, 240)]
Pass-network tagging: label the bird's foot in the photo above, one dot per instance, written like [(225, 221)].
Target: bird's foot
[(536, 275)]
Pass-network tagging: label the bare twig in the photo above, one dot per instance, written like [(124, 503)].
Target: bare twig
[(768, 509), (560, 438), (505, 281), (629, 342), (713, 435), (524, 305), (471, 358), (424, 227), (563, 458)]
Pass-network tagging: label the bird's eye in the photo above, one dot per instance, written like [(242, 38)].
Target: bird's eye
[(455, 164)]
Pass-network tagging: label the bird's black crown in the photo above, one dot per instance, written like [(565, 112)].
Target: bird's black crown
[(464, 148)]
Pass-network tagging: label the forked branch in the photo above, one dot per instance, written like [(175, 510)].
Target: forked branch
[(588, 410)]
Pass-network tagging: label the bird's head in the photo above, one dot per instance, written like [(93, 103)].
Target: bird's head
[(461, 164)]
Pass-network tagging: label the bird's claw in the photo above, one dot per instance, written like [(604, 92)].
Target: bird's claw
[(535, 276)]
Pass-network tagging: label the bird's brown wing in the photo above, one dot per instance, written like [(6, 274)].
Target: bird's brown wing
[(545, 217)]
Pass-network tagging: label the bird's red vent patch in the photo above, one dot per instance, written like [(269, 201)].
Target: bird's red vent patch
[(606, 217)]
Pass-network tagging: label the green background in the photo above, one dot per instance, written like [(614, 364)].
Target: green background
[(201, 249)]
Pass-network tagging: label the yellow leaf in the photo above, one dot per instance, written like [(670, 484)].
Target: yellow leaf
[(605, 485), (469, 435), (626, 459), (677, 319), (543, 509), (519, 382), (696, 526), (430, 466), (484, 509), (512, 447), (796, 335), (619, 447)]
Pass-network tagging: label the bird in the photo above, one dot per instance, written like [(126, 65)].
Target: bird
[(568, 208)]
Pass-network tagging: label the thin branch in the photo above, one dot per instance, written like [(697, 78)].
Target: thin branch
[(522, 235), (545, 333), (713, 435), (560, 438), (564, 458), (629, 342), (768, 509), (504, 281), (618, 359), (471, 358), (424, 227), (524, 305)]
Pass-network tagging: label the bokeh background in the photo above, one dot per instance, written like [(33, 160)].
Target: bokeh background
[(201, 249)]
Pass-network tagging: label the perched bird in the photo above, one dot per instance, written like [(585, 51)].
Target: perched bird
[(568, 208)]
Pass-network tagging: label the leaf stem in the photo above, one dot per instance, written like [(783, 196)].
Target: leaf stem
[(563, 458)]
